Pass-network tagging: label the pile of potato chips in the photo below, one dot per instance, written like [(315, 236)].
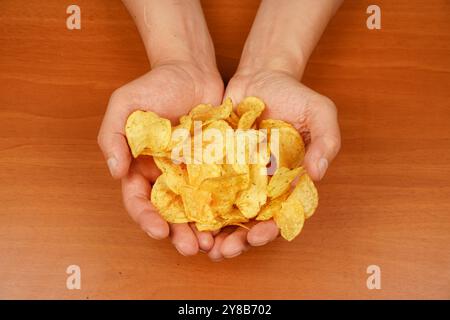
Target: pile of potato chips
[(232, 186)]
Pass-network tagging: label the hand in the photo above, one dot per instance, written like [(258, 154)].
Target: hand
[(312, 114), (171, 90)]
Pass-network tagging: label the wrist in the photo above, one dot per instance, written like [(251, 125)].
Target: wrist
[(291, 62), (173, 31)]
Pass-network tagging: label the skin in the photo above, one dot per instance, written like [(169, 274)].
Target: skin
[(184, 74)]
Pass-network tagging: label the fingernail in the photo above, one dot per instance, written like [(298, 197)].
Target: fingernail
[(234, 254), (152, 235), (259, 243), (112, 165), (323, 166), (217, 260), (180, 251)]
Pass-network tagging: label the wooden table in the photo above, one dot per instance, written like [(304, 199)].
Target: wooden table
[(385, 200)]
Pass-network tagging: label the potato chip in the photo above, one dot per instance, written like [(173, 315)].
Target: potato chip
[(250, 200), (197, 173), (168, 203), (250, 104), (195, 203), (290, 218), (208, 113), (281, 181), (291, 149), (176, 175), (233, 217), (272, 206), (306, 193), (233, 120), (145, 130)]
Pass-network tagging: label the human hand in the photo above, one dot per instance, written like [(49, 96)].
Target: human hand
[(312, 114), (170, 90)]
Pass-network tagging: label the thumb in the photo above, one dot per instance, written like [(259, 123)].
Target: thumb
[(325, 139), (112, 141)]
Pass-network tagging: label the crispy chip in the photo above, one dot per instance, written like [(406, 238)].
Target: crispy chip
[(306, 193), (168, 203), (290, 143), (250, 104), (196, 203), (290, 218), (208, 113), (281, 181), (145, 130), (176, 176), (274, 205), (197, 173), (251, 200)]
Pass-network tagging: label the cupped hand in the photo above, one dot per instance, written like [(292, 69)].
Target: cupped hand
[(170, 90), (312, 114)]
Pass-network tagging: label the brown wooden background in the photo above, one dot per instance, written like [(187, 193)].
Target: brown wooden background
[(385, 201)]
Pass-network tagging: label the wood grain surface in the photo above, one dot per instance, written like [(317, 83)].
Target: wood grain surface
[(385, 200)]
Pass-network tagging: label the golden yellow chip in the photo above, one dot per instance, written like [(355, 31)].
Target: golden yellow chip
[(250, 104), (306, 193), (250, 200), (208, 113), (176, 175), (197, 173), (281, 181), (147, 131), (290, 218), (291, 149), (195, 203), (272, 206), (183, 130), (233, 120), (168, 203)]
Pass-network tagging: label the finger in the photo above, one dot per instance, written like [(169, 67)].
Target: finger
[(147, 167), (183, 238), (325, 139), (235, 244), (111, 138), (205, 239), (262, 233), (135, 191), (215, 254), (234, 90)]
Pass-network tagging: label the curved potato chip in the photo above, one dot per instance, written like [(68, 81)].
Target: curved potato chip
[(197, 173), (290, 219), (176, 175), (233, 217), (215, 141), (208, 113), (251, 200), (281, 181), (307, 194), (291, 148), (272, 206), (233, 120), (195, 203), (250, 104), (145, 130), (186, 125), (169, 205)]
